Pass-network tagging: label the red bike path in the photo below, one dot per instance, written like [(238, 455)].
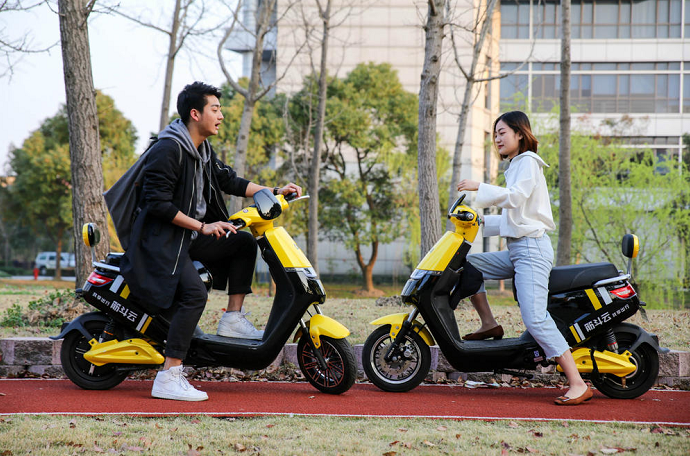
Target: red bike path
[(235, 399)]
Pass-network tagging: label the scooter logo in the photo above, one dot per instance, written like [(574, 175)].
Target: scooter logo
[(537, 356)]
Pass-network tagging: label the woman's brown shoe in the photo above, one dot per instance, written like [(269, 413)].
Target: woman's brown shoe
[(565, 400), (496, 332)]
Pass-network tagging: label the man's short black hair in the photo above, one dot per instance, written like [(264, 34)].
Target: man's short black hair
[(193, 96)]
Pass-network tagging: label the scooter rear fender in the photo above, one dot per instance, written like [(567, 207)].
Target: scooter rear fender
[(641, 337), (78, 325), (321, 325), (396, 321)]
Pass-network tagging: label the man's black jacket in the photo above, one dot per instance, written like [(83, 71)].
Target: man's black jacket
[(152, 263)]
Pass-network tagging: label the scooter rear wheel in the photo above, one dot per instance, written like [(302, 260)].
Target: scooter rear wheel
[(408, 366), (341, 370), (645, 357), (81, 372)]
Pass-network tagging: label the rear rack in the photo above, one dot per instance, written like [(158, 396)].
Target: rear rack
[(620, 278)]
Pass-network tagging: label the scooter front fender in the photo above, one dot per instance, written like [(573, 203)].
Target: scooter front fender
[(396, 321), (130, 351), (321, 325)]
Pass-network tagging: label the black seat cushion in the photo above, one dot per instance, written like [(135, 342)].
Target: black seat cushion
[(564, 278)]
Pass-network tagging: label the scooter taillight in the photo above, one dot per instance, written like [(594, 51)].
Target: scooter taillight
[(624, 293), (98, 279)]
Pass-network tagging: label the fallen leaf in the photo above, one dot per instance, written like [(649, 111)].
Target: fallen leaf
[(195, 421), (441, 428), (429, 444), (73, 424), (513, 425), (390, 453), (394, 442), (239, 447), (270, 425), (402, 429), (609, 450)]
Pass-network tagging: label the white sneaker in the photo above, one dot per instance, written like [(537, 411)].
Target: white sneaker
[(235, 324), (173, 384)]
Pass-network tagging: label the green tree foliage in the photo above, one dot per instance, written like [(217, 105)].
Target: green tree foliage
[(42, 187), (370, 158), (621, 190)]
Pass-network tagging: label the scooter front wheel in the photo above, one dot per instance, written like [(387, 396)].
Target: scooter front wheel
[(79, 370), (341, 366), (407, 366)]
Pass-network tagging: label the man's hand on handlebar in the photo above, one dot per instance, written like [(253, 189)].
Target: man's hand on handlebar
[(290, 188), (218, 229)]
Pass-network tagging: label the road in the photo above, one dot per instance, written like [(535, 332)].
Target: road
[(132, 397)]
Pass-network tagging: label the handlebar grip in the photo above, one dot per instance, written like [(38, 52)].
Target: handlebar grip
[(238, 223), (464, 216), (290, 196)]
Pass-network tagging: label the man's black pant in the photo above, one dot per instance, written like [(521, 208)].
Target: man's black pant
[(231, 261)]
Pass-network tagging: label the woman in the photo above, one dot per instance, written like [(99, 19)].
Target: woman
[(525, 218)]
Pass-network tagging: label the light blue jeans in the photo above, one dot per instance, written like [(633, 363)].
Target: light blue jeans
[(528, 261)]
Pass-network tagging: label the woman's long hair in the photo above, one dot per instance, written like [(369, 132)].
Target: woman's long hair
[(519, 123)]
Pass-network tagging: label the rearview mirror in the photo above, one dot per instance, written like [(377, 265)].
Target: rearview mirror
[(267, 204), (90, 234)]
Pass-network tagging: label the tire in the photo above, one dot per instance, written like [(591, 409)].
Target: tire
[(341, 372), (42, 270), (408, 367), (81, 372), (645, 357)]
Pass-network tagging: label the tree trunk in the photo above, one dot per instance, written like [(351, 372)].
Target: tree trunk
[(84, 143), (241, 150), (58, 255), (169, 67), (428, 99), (263, 23), (565, 211), (368, 267), (315, 172), (466, 100)]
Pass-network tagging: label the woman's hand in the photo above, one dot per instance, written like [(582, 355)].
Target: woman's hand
[(467, 185), (291, 188)]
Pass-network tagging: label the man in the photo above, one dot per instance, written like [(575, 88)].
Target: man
[(182, 219)]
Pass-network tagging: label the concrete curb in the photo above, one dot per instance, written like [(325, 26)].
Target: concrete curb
[(40, 356)]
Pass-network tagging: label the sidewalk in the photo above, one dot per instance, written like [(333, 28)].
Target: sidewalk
[(39, 356)]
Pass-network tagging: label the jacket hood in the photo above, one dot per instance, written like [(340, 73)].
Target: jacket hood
[(177, 130), (529, 153)]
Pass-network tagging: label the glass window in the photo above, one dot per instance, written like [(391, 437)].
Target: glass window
[(642, 66), (513, 92), (686, 91), (604, 85), (642, 84)]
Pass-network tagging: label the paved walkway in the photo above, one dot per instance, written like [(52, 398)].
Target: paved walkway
[(133, 397)]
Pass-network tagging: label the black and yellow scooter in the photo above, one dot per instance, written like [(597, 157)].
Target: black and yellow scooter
[(101, 348), (588, 302)]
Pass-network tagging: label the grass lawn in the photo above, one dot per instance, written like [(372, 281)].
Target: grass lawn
[(672, 326)]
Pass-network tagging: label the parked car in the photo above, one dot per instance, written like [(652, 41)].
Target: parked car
[(46, 261)]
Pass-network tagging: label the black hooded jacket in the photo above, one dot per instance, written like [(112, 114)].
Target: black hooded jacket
[(151, 264)]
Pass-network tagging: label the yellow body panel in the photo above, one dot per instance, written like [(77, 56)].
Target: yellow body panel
[(636, 246), (607, 362), (130, 351), (396, 321), (321, 325), (442, 252), (85, 234), (288, 252)]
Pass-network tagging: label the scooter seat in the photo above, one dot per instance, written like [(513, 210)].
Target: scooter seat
[(113, 258), (564, 278)]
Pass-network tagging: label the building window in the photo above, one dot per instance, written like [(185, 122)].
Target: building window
[(686, 88), (514, 19), (602, 19), (600, 87)]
